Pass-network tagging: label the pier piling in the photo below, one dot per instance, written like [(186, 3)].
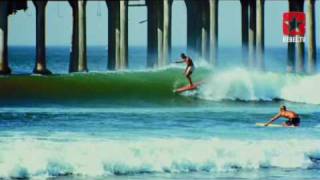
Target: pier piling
[(205, 25), (40, 65), (245, 29), (166, 31), (4, 67), (311, 36), (152, 34), (213, 51), (159, 27), (159, 32), (300, 45), (193, 22), (123, 35), (260, 34), (78, 56), (113, 34), (291, 54), (118, 34), (252, 33)]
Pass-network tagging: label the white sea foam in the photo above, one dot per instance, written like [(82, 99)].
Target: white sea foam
[(29, 157), (248, 85)]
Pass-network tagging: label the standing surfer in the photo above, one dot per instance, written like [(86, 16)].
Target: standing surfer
[(190, 67), (293, 118)]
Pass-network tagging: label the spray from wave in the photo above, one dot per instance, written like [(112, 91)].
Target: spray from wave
[(241, 84)]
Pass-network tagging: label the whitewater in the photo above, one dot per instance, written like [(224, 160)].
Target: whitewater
[(241, 84), (175, 142), (93, 158)]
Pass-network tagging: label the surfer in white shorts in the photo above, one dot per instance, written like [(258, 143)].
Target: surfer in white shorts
[(190, 67)]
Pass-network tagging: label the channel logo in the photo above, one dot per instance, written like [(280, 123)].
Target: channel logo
[(293, 26)]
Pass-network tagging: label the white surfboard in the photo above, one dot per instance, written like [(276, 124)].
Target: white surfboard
[(270, 125)]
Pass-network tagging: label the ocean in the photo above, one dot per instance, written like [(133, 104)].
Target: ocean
[(131, 125)]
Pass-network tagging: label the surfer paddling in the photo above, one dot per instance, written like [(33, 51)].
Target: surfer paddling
[(190, 67), (293, 118)]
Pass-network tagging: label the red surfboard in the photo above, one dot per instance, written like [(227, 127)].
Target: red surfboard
[(188, 88)]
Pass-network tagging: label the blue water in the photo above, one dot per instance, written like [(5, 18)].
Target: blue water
[(97, 126)]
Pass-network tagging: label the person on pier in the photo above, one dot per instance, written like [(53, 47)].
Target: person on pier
[(190, 67)]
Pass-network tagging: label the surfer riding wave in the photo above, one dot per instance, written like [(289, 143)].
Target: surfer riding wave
[(190, 67)]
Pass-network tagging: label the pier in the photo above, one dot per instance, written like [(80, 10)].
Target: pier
[(202, 33)]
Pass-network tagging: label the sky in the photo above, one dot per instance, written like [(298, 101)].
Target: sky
[(59, 24)]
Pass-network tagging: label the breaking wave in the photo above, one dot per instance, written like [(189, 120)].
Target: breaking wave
[(27, 157), (156, 87), (241, 84)]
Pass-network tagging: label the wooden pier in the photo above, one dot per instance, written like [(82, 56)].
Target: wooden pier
[(202, 33)]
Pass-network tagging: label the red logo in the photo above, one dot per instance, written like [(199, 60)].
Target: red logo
[(294, 24)]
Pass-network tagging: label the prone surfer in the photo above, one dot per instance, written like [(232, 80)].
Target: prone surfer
[(190, 67), (293, 118)]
